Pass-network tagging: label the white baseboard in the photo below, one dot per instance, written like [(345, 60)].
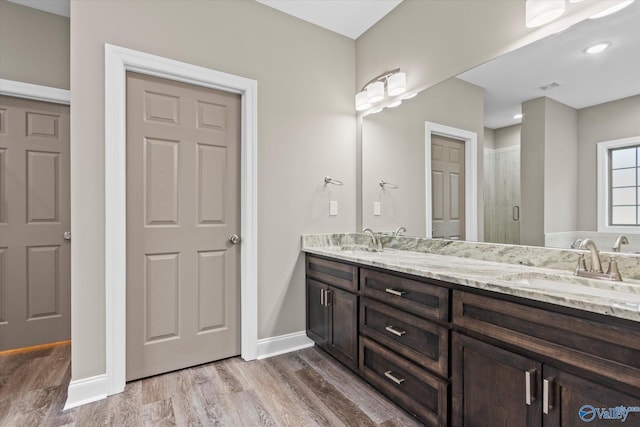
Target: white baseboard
[(274, 346), (86, 390)]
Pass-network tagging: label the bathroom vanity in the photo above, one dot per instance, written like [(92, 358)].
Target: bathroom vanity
[(461, 341)]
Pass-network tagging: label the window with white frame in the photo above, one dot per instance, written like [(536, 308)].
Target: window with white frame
[(619, 185)]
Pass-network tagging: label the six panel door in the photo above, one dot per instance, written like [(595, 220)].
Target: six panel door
[(34, 215), (183, 204)]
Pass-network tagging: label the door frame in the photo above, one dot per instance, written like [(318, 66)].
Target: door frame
[(470, 140), (118, 61), (35, 92)]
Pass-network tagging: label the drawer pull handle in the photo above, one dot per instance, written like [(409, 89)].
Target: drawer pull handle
[(529, 391), (389, 374), (395, 331), (395, 292), (547, 399)]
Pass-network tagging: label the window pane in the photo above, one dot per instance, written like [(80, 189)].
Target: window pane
[(623, 178), (623, 215), (624, 158), (623, 196)]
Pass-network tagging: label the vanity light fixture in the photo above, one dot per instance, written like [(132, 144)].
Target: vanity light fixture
[(597, 48), (394, 104), (541, 12), (612, 9), (394, 81)]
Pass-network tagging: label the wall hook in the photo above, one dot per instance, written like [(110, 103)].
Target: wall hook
[(390, 186), (329, 180)]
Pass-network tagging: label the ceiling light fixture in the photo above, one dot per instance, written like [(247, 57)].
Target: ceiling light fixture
[(517, 116), (374, 91), (597, 48), (612, 9), (541, 12)]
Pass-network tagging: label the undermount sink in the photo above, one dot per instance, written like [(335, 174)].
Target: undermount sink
[(565, 284)]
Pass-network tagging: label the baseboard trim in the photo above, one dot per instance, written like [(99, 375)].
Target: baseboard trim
[(86, 390), (274, 346)]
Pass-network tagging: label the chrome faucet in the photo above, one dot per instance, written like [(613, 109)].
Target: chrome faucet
[(620, 240), (399, 230), (375, 240), (596, 266)]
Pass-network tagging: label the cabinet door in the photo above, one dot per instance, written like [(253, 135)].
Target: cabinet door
[(343, 326), (493, 387), (317, 312), (570, 401)]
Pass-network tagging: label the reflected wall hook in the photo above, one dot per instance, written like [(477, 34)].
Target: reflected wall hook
[(329, 180), (390, 186)]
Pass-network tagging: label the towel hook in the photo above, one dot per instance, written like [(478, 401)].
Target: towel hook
[(329, 180), (390, 186)]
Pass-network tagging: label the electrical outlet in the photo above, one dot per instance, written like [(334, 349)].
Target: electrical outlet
[(333, 208)]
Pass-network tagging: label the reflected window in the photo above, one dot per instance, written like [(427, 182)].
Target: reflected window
[(619, 185), (624, 188)]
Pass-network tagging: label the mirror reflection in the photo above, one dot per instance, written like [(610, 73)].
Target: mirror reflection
[(508, 152)]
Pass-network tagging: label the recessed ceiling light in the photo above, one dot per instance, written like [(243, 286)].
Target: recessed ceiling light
[(597, 48), (517, 116), (612, 9)]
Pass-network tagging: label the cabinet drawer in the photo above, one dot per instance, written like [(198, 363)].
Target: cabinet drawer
[(411, 387), (421, 298), (605, 349), (424, 342), (334, 273)]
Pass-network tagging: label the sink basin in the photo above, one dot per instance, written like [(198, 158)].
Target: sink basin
[(578, 286), (358, 248)]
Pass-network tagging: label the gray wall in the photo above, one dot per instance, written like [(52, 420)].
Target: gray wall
[(605, 122), (306, 130), (549, 170), (561, 168), (34, 46), (532, 155), (508, 136), (393, 149)]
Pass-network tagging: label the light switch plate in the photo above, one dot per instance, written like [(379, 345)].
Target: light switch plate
[(333, 208), (376, 208)]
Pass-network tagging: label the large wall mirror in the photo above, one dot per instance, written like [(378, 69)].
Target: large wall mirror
[(459, 162)]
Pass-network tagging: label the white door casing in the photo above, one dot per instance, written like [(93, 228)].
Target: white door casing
[(470, 140), (118, 61)]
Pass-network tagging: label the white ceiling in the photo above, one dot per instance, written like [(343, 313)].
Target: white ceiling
[(350, 18), (59, 7), (584, 80)]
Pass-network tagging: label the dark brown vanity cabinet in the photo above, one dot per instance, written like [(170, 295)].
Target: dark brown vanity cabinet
[(332, 308), (545, 368), (458, 358)]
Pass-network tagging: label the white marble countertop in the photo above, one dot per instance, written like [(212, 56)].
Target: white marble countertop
[(618, 299)]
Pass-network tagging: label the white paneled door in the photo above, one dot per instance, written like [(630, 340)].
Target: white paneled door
[(34, 216), (183, 206)]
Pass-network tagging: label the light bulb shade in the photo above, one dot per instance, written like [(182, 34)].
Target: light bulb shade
[(362, 101), (540, 12), (397, 84), (375, 92)]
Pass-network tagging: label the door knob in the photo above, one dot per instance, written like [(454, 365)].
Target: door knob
[(235, 239), (66, 235)]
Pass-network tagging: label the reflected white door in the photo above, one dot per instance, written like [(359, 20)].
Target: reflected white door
[(447, 187), (183, 204), (35, 259)]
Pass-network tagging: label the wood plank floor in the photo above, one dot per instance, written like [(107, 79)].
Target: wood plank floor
[(304, 388)]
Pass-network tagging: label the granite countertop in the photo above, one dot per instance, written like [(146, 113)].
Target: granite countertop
[(618, 299)]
